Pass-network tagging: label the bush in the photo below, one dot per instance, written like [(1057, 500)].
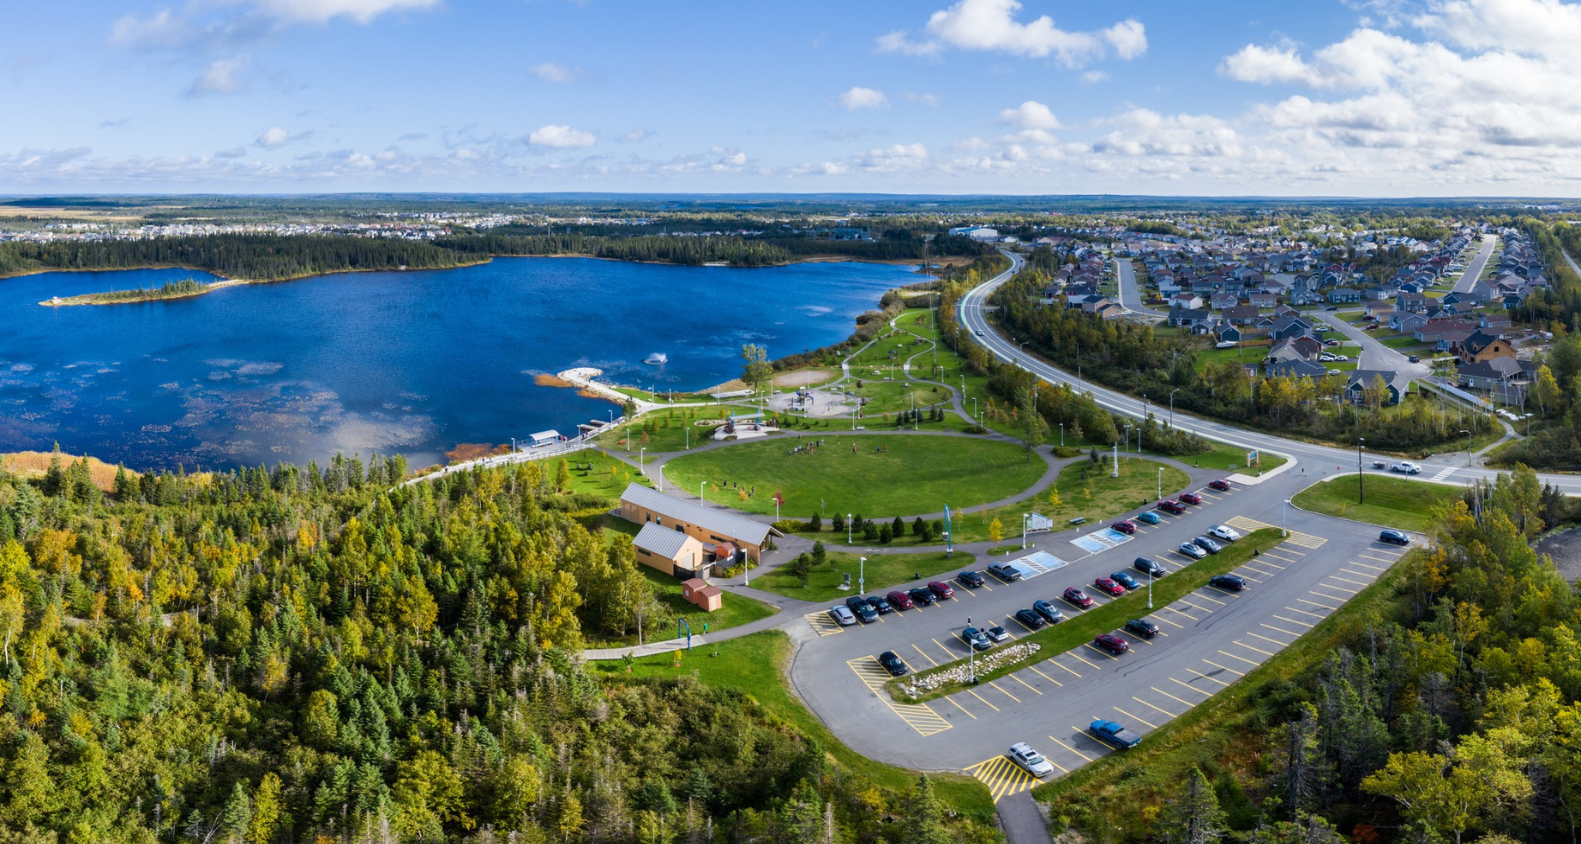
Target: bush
[(788, 525), (975, 429), (1066, 451)]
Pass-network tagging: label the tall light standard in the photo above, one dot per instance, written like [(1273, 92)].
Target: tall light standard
[(971, 659), (861, 574), (848, 518), (642, 465), (700, 499), (1282, 530), (1172, 406), (1062, 435), (1361, 491), (1161, 483), (975, 412), (1149, 591), (1023, 531), (1128, 427), (513, 445)]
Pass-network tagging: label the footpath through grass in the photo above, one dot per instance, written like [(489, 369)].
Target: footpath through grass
[(1391, 502), (1084, 489), (882, 572), (877, 476), (1080, 628), (756, 665)]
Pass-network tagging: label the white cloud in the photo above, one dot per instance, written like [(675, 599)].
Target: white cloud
[(274, 138), (1145, 132), (220, 78), (557, 73), (1029, 115), (1092, 77), (233, 152), (924, 99), (636, 136), (319, 11), (1267, 65), (860, 98), (163, 30), (991, 25), (561, 137), (894, 158)]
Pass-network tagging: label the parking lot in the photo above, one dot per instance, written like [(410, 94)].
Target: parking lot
[(1205, 641)]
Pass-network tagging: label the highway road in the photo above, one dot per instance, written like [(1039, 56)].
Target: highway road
[(973, 317), (1474, 269)]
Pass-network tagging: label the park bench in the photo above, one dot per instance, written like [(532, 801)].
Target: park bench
[(1079, 520)]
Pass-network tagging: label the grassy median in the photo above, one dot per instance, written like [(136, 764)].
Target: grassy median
[(1391, 502), (1082, 627)]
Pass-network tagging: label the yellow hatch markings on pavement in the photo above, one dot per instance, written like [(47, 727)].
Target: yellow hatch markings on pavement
[(1024, 683), (1304, 612), (1247, 524), (1222, 668), (1270, 641), (925, 655), (1045, 676), (1365, 566), (1241, 658), (1250, 648), (1150, 726), (980, 697), (1293, 621), (1188, 703), (1315, 603), (1280, 630), (1307, 540), (1151, 706), (1071, 749), (1195, 673), (960, 707), (919, 717), (1003, 777), (1003, 692), (823, 625)]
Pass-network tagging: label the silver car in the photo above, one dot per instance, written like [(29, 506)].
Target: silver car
[(842, 615), (1033, 762)]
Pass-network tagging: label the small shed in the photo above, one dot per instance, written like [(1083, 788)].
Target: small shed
[(695, 591), (725, 553), (544, 438)]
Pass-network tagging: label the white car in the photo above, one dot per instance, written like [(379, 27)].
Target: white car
[(1224, 532), (1328, 358), (1225, 344), (1406, 467), (1033, 762), (1341, 357)]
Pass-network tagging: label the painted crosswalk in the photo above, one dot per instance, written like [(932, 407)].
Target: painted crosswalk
[(919, 717), (1442, 475), (1003, 777)]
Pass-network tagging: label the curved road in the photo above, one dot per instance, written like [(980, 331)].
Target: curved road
[(973, 317)]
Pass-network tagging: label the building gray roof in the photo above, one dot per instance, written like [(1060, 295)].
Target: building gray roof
[(720, 522), (663, 541)]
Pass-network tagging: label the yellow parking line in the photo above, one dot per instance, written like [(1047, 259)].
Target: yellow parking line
[(1208, 598), (1280, 630), (1365, 566), (1071, 749), (1045, 676), (1188, 703), (1222, 668), (1292, 551), (1003, 692), (1337, 589), (980, 697), (1321, 595), (925, 655), (1304, 612), (1378, 559), (1259, 571), (1025, 683), (1362, 583), (1195, 607), (1178, 612), (1151, 706), (1250, 578), (962, 708), (1191, 687), (1197, 673), (1260, 559), (1167, 621), (1090, 737), (1292, 621), (1271, 641), (1250, 648), (947, 651), (1135, 718), (1091, 665), (1023, 625), (1059, 664), (1241, 658)]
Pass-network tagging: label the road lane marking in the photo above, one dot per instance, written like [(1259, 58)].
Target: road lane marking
[(1188, 703), (980, 697), (1222, 668), (1136, 718), (1241, 658), (1071, 749), (1025, 683), (1250, 648), (1151, 706)]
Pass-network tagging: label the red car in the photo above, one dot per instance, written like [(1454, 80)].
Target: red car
[(1191, 498), (1174, 507), (1221, 485), (1112, 642), (1077, 598), (900, 600), (1109, 586), (942, 589), (1124, 526)]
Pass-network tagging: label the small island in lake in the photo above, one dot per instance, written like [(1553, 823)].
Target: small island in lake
[(169, 290)]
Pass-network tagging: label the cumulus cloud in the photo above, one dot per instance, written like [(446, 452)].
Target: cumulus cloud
[(561, 137), (319, 11), (924, 99), (1029, 115), (274, 138), (220, 77), (557, 73), (233, 152), (894, 158), (1145, 132), (635, 136), (860, 98), (992, 25)]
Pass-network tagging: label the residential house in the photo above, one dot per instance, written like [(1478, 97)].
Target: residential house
[(1344, 296), (1185, 301), (1222, 301), (1483, 346), (1407, 323), (1492, 374), (1227, 333), (1189, 317), (1294, 369), (1244, 315), (1360, 381), (1285, 327), (1295, 348), (1263, 300)]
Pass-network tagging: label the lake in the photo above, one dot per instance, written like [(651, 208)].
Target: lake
[(409, 362)]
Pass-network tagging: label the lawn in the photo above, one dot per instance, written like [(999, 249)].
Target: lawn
[(912, 474), (1231, 458), (756, 665), (598, 480), (1138, 484), (1239, 354), (1392, 502), (672, 428), (1080, 628), (893, 396), (1404, 341), (882, 572)]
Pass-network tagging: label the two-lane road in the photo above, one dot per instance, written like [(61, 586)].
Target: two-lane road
[(1130, 296), (1474, 269)]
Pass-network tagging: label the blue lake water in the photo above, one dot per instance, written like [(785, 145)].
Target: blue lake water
[(408, 362)]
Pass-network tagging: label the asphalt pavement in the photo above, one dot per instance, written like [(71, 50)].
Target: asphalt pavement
[(1374, 354), (1130, 295), (1474, 269)]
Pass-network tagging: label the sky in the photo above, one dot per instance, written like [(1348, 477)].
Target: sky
[(1384, 98)]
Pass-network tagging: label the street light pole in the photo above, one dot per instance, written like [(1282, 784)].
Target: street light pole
[(1172, 406), (1149, 591), (1282, 530), (642, 465), (848, 517), (975, 412), (861, 575), (971, 659), (700, 499), (1361, 490), (1062, 435), (1023, 531), (1161, 483)]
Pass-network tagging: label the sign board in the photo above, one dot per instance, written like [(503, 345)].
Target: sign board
[(1038, 523), (1251, 457)]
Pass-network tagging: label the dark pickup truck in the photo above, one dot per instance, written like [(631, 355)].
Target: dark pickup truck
[(1111, 732)]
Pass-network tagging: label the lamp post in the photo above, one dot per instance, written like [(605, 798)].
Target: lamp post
[(642, 465), (700, 499), (1161, 483), (1116, 461), (1282, 530), (1128, 427), (1062, 435), (1361, 490), (513, 445), (861, 574), (1172, 406), (848, 518), (971, 659), (975, 411), (1023, 531)]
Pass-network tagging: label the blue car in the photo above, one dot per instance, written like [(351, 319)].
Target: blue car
[(1125, 580), (1149, 517)]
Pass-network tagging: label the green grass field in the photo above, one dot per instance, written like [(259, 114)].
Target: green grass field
[(913, 475), (1391, 502), (674, 428), (882, 572), (598, 480), (1138, 483), (756, 664), (734, 612), (1231, 459)]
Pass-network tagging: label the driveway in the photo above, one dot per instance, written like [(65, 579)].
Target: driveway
[(1374, 354)]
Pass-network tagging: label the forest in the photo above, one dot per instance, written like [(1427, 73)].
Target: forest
[(306, 654)]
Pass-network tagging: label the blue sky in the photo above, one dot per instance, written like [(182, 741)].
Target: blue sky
[(1328, 97)]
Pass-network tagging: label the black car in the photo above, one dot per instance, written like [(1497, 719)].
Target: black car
[(1394, 537), (973, 579), (1208, 545), (1031, 620), (862, 609), (1231, 582), (1414, 359), (1004, 572), (1142, 627), (1151, 568), (1048, 612), (922, 596), (975, 639), (892, 663), (879, 603)]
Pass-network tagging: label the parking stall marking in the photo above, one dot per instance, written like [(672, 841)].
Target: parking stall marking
[(1279, 629), (1191, 687), (1150, 726), (1071, 749), (1341, 598), (1260, 571), (1025, 683), (948, 653), (1315, 603), (919, 716), (1304, 612), (1056, 662), (1307, 540), (1362, 583), (1078, 656), (1178, 612), (1368, 575), (1267, 639), (1377, 559), (981, 698), (924, 655), (823, 625), (1222, 668), (1261, 558), (1379, 569), (960, 707), (1188, 704), (1045, 676), (1003, 692), (1099, 650), (1294, 621), (1167, 621), (1171, 715), (1206, 597), (1193, 606), (1250, 648), (1198, 674), (1003, 777), (1241, 658)]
